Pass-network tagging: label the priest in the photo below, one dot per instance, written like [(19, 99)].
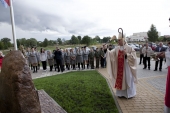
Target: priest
[(121, 67)]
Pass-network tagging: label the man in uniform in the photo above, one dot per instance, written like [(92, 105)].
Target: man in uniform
[(102, 57), (97, 56), (91, 58)]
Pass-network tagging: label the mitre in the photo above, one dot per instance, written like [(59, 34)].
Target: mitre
[(120, 36)]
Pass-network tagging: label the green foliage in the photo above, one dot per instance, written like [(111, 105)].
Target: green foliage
[(1, 45), (152, 34), (18, 42), (106, 39), (45, 42), (59, 41), (33, 42), (93, 41), (51, 42), (74, 40), (30, 42), (39, 44), (79, 92), (63, 41), (67, 42), (161, 38), (79, 37), (86, 40), (6, 43), (97, 38)]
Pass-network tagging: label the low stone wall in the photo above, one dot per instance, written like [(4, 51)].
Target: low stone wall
[(48, 105)]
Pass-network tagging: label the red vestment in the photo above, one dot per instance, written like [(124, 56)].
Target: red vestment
[(1, 58), (120, 71), (167, 94)]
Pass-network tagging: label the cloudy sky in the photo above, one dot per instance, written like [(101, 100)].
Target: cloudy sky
[(63, 18)]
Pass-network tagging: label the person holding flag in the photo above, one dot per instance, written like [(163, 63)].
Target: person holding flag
[(121, 67)]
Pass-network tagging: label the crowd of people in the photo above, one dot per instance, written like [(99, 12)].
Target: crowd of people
[(66, 59), (121, 63), (146, 54)]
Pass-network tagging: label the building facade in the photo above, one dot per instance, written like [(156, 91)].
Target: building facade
[(139, 37)]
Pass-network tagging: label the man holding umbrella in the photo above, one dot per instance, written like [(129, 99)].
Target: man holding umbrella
[(121, 67)]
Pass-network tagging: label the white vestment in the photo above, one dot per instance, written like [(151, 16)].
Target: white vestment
[(128, 86), (167, 56)]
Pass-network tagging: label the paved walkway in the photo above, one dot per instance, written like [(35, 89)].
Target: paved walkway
[(150, 90)]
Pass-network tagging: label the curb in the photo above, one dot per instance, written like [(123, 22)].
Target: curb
[(46, 74), (114, 97)]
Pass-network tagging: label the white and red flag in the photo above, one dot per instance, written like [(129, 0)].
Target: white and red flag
[(5, 3)]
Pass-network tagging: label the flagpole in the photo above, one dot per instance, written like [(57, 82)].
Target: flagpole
[(13, 24)]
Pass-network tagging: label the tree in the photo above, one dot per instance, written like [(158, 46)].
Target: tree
[(31, 42), (18, 42), (152, 34), (23, 41), (74, 40), (6, 42), (79, 37), (45, 42), (51, 42), (39, 44), (59, 41), (67, 42), (97, 38), (63, 40), (86, 40), (93, 41), (1, 45), (106, 39)]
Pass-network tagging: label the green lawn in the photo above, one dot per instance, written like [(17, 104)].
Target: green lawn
[(79, 92)]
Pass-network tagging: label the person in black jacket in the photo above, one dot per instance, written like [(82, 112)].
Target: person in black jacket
[(160, 48), (58, 58)]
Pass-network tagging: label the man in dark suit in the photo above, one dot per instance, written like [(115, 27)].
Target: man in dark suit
[(58, 58), (160, 48), (141, 55)]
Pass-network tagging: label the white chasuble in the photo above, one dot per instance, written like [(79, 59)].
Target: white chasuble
[(122, 72)]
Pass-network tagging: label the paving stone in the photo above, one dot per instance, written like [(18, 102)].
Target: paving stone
[(158, 83), (148, 96), (48, 105)]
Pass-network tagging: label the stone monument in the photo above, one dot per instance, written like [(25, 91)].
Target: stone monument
[(17, 91)]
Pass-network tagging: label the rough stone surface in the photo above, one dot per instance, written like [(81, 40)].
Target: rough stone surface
[(48, 105), (17, 91)]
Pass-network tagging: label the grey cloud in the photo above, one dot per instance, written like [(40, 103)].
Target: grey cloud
[(35, 20)]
